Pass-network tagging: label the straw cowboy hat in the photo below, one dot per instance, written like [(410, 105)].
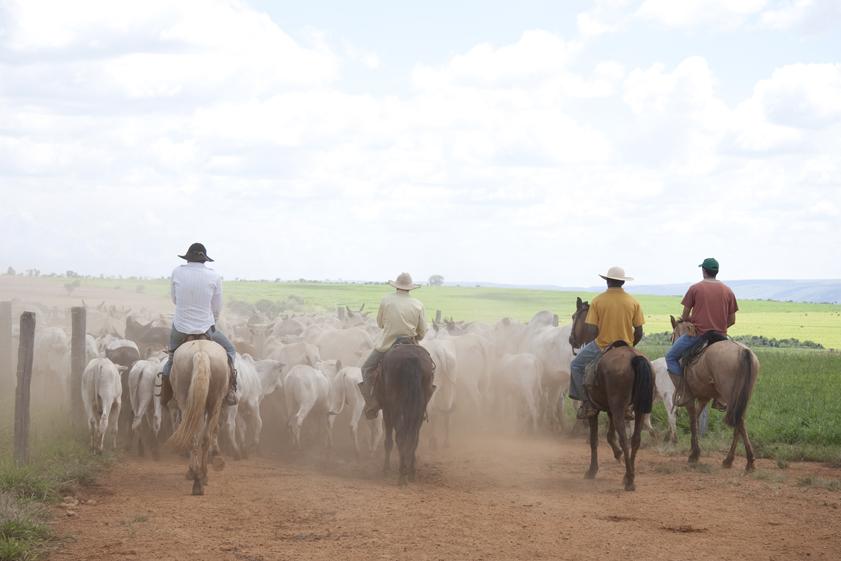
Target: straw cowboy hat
[(404, 282), (196, 252), (616, 273)]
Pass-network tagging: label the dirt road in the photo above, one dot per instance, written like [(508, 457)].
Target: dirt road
[(488, 498)]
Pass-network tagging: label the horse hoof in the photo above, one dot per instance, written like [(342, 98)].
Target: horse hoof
[(197, 488), (591, 474), (727, 463), (630, 487), (693, 459), (749, 467)]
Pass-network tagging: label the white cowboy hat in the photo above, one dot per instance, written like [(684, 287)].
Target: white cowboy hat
[(404, 282), (616, 273)]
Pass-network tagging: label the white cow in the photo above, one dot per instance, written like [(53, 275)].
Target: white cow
[(296, 353), (473, 356), (306, 389), (442, 403), (51, 365), (101, 395), (518, 386), (255, 380), (145, 401), (91, 349), (550, 345), (350, 346), (344, 391), (665, 391)]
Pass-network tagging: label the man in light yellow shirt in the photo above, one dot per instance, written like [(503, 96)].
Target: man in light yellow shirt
[(614, 316), (400, 317)]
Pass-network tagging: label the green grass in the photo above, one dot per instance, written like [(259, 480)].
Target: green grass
[(813, 322), (820, 483), (60, 464)]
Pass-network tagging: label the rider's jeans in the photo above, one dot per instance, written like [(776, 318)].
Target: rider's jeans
[(585, 356), (176, 338), (679, 348)]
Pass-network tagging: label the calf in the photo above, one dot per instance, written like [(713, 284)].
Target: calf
[(101, 395), (306, 389), (255, 380), (145, 401), (344, 390)]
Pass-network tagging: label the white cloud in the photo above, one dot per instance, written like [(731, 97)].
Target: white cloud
[(691, 13)]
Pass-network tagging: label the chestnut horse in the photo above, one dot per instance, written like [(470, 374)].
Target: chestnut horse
[(726, 372), (404, 389), (624, 376), (199, 381)]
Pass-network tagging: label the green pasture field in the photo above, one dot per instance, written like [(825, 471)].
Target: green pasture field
[(820, 323)]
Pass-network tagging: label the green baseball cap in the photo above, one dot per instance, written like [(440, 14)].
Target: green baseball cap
[(710, 263)]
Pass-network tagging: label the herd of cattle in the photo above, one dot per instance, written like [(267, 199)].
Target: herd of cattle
[(308, 366)]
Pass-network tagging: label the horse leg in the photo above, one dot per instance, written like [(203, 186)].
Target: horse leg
[(611, 439), (402, 450), (194, 471), (434, 420), (212, 428), (389, 442), (728, 460), (231, 430), (594, 447), (635, 445), (618, 414), (748, 446), (693, 411)]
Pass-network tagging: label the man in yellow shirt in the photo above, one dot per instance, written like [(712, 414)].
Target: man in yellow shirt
[(614, 316), (400, 317)]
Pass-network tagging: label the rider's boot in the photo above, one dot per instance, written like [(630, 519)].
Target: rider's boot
[(164, 389), (682, 396), (586, 410), (231, 396), (372, 407)]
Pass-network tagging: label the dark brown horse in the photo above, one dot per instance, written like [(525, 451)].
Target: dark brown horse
[(624, 376), (403, 390), (726, 372)]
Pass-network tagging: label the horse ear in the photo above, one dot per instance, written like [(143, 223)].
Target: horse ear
[(578, 303), (674, 323)]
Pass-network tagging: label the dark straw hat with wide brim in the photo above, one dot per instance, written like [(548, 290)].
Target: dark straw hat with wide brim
[(196, 252)]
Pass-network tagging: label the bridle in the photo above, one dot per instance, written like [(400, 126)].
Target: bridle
[(572, 338)]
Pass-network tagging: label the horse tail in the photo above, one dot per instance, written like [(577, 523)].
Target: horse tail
[(191, 419), (410, 414), (642, 394), (738, 402)]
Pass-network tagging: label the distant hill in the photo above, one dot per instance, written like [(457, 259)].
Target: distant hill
[(817, 291), (826, 291)]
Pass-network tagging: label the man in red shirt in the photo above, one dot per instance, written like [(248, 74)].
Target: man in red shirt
[(711, 306)]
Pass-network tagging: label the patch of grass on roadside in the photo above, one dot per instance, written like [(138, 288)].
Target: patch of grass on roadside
[(60, 464), (820, 483)]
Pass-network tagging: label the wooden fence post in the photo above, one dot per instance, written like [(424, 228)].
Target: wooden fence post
[(26, 350), (437, 316), (5, 344), (78, 360)]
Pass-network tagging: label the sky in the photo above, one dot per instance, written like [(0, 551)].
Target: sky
[(536, 142)]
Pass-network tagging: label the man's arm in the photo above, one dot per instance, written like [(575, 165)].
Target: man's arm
[(380, 316), (638, 333), (172, 288), (421, 329), (216, 300), (687, 310), (590, 332)]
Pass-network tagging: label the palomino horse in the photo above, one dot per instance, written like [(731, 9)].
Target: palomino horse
[(726, 372), (624, 376), (199, 382), (403, 390)]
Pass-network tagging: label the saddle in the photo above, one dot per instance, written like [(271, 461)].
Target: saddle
[(694, 352), (590, 371), (427, 363)]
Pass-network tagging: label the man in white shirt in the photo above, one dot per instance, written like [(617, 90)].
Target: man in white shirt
[(400, 317), (197, 294)]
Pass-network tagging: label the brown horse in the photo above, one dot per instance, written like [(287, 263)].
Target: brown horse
[(404, 389), (199, 381), (726, 372), (624, 376)]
